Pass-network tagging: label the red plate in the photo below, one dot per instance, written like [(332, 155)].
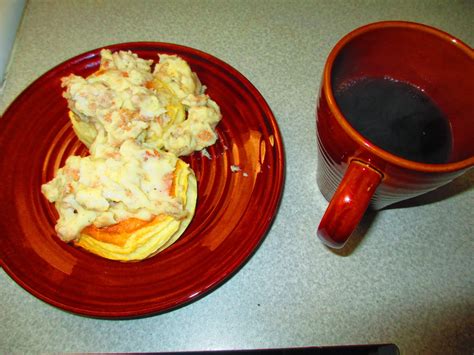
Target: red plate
[(235, 208)]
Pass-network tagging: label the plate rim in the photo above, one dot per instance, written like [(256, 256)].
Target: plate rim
[(276, 199)]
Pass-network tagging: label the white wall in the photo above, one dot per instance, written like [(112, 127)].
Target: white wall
[(10, 16)]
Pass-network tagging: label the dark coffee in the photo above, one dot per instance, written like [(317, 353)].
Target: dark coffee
[(397, 117)]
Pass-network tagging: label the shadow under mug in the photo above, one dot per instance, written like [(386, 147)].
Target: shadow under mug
[(354, 173)]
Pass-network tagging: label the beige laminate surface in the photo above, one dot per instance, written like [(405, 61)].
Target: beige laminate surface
[(406, 278)]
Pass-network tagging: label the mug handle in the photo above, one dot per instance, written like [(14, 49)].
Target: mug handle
[(348, 204)]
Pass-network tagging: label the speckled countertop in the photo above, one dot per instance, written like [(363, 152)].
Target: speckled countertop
[(405, 278)]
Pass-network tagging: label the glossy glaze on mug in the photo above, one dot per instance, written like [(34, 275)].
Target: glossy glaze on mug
[(349, 203), (444, 74)]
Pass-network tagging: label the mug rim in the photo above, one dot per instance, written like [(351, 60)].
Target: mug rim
[(353, 133)]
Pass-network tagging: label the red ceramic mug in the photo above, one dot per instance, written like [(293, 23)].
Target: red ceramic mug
[(353, 172)]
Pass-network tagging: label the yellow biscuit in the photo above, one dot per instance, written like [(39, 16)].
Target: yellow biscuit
[(85, 131), (134, 239), (175, 112)]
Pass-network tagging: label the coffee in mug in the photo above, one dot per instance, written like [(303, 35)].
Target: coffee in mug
[(395, 119)]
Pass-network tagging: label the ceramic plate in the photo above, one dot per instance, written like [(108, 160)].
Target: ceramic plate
[(239, 190)]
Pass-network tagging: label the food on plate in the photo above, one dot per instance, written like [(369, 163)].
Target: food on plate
[(132, 196), (164, 107), (124, 204)]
